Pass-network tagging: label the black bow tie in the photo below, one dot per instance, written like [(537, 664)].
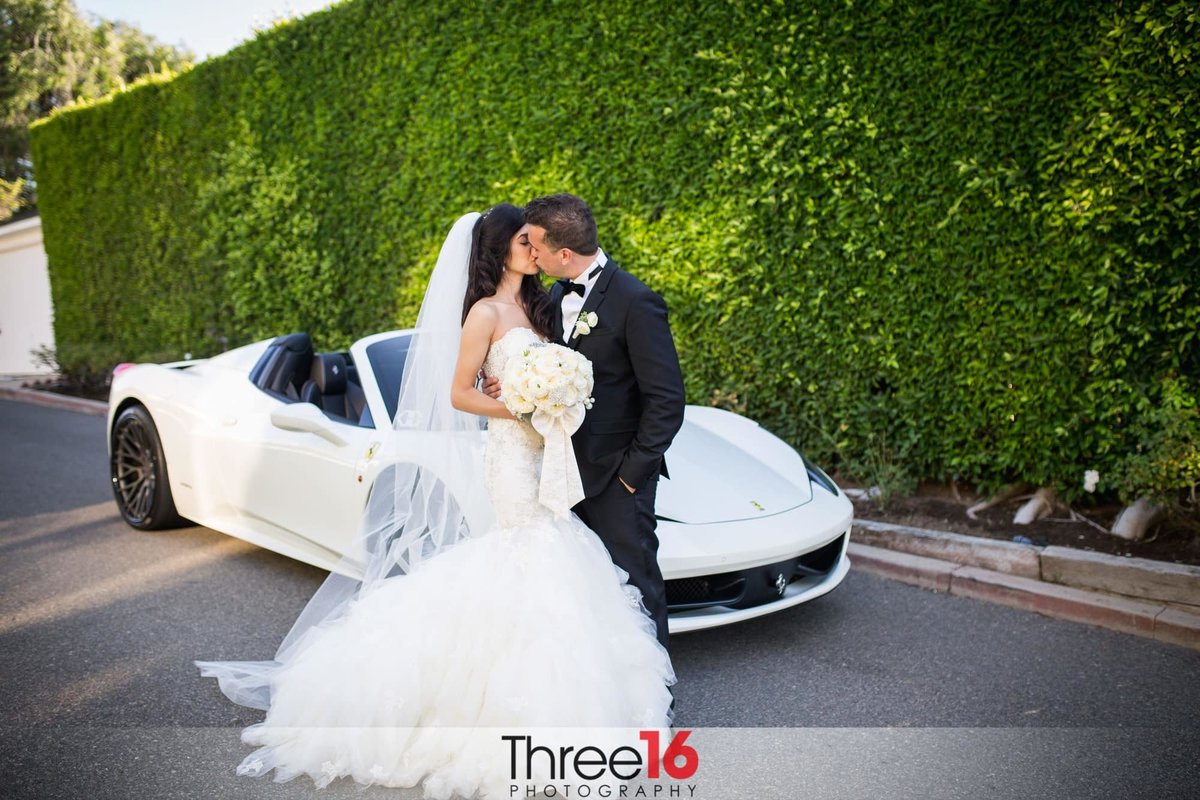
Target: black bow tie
[(571, 286), (578, 288)]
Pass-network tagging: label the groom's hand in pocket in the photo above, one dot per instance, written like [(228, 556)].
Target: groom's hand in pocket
[(491, 387)]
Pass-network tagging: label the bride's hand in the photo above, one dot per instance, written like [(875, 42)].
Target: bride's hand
[(491, 387)]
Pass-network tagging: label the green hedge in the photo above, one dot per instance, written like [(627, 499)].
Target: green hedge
[(936, 240)]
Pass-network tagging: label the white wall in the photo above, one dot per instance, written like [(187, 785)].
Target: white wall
[(26, 313)]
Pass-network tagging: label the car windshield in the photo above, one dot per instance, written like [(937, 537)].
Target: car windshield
[(387, 363)]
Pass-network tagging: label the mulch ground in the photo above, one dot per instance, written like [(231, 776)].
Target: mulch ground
[(936, 507), (69, 389)]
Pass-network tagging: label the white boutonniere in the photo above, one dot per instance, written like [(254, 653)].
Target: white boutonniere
[(585, 323)]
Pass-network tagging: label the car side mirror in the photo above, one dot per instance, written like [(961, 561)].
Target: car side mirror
[(305, 418)]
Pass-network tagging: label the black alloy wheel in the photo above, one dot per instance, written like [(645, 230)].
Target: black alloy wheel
[(139, 472)]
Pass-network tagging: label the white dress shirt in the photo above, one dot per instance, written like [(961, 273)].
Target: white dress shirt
[(572, 303)]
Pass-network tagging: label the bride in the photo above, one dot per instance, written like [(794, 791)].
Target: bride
[(403, 676)]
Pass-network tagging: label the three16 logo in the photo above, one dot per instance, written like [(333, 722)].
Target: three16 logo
[(590, 763)]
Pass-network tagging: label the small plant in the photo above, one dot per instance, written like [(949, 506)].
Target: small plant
[(878, 465), (85, 369), (872, 462), (1165, 463)]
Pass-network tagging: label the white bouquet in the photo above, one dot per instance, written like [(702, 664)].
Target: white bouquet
[(547, 378), (551, 386)]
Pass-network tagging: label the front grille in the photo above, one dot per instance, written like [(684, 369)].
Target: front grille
[(754, 586), (823, 559), (705, 590)]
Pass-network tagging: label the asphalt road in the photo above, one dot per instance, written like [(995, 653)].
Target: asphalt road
[(876, 690)]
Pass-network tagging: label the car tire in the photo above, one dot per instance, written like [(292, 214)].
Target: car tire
[(139, 472)]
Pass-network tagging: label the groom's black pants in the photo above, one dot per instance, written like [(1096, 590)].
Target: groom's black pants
[(625, 523)]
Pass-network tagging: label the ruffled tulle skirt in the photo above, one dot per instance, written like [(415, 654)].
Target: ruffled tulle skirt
[(520, 630)]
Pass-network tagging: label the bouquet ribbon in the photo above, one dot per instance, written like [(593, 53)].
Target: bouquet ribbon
[(560, 486)]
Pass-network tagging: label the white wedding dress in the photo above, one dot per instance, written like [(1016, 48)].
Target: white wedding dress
[(527, 626)]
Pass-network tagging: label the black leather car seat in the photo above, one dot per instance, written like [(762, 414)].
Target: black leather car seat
[(328, 388), (284, 366)]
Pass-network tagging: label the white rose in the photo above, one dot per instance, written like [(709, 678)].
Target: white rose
[(592, 319), (1090, 479)]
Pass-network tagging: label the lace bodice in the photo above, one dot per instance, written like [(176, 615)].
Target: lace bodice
[(514, 451), (511, 342)]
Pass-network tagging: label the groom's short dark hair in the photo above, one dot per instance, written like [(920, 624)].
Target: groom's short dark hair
[(567, 220)]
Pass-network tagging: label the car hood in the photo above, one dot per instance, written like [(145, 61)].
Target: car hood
[(725, 467)]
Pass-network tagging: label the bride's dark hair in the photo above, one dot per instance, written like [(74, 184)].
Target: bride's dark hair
[(491, 240)]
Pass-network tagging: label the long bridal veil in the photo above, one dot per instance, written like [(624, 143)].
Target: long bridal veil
[(416, 509)]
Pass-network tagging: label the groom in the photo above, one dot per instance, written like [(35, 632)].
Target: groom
[(621, 326)]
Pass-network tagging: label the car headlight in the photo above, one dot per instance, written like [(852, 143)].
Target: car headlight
[(818, 476)]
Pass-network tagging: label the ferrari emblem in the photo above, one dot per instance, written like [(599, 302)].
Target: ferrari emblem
[(757, 505), (372, 450), (780, 584)]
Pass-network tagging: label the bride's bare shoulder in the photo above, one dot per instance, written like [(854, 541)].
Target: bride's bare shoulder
[(483, 311), (481, 321)]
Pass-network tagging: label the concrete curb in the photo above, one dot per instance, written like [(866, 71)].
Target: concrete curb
[(1115, 612), (974, 551), (52, 400), (1137, 578)]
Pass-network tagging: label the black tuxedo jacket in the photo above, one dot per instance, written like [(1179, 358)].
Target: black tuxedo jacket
[(638, 384)]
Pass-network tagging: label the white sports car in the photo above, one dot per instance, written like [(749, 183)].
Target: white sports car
[(280, 446)]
